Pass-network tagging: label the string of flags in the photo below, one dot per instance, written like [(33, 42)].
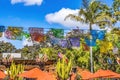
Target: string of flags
[(56, 37)]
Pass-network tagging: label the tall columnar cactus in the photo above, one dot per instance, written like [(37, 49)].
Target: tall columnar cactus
[(14, 70), (63, 68)]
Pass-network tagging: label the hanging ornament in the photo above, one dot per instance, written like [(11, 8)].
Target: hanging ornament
[(91, 42), (101, 35)]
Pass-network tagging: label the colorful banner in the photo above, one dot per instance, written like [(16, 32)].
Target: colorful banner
[(101, 35), (85, 47), (14, 33), (90, 42), (55, 41), (77, 32), (2, 29), (37, 34), (97, 34), (27, 36), (64, 43), (58, 33), (94, 34), (75, 41)]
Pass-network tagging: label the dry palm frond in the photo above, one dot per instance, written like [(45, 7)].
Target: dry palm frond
[(74, 17)]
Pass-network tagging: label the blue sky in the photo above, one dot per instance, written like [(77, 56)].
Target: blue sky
[(39, 13), (19, 14)]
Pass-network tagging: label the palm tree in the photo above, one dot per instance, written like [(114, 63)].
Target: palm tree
[(93, 12), (116, 9)]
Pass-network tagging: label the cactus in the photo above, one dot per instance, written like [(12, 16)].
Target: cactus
[(63, 69), (14, 70)]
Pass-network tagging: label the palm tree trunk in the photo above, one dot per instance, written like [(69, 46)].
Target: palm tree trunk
[(90, 26), (91, 54)]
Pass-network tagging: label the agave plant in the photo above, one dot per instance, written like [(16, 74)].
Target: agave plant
[(14, 71), (63, 68)]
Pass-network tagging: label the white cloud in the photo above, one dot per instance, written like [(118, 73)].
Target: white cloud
[(58, 17), (27, 2)]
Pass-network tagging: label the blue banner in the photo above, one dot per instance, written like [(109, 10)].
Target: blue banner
[(101, 35), (75, 41), (64, 43), (55, 41), (2, 28), (90, 42), (94, 34)]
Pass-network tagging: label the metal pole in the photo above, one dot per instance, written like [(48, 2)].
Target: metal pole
[(91, 59), (91, 54)]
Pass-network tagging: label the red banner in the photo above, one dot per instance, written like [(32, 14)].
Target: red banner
[(37, 34)]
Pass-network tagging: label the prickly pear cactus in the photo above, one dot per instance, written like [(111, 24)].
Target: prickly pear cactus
[(63, 68)]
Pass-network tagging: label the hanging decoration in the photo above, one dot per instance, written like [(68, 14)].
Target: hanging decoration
[(14, 33), (37, 34), (77, 32), (27, 36), (94, 34), (64, 43), (101, 35), (2, 29), (75, 41), (55, 41), (85, 47), (58, 33), (91, 42)]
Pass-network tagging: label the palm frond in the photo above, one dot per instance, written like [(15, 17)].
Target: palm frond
[(74, 17), (85, 3), (105, 17), (94, 6), (82, 12), (116, 5), (103, 23), (117, 13)]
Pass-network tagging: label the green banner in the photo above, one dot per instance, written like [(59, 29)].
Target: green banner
[(58, 33)]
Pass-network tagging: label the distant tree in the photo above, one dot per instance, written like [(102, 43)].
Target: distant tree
[(6, 47), (116, 9)]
